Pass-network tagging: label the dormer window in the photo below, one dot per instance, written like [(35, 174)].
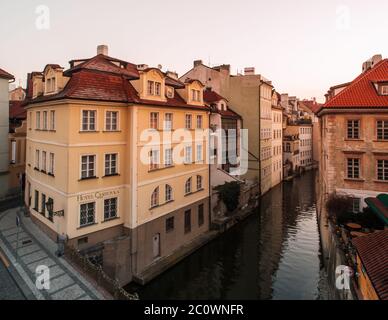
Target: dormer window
[(384, 90), (50, 85), (195, 95), (154, 88)]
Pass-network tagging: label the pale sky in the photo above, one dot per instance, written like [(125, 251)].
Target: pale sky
[(303, 46)]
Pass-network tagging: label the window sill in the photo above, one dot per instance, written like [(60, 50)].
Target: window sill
[(43, 171), (161, 205), (51, 175), (87, 225), (110, 219), (380, 181), (89, 131), (355, 179), (350, 139), (36, 169), (111, 131), (380, 140), (194, 192), (111, 175), (88, 178), (163, 168)]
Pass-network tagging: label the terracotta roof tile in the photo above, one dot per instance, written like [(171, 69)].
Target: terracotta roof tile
[(373, 252), (361, 92)]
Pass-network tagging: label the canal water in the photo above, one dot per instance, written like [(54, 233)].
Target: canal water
[(274, 254)]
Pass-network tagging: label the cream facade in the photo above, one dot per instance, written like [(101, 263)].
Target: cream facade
[(88, 152), (251, 97)]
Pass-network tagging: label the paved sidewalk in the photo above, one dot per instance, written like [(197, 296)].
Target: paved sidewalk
[(36, 249)]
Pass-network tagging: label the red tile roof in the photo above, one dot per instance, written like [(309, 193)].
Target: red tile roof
[(361, 92), (5, 75), (211, 96), (312, 105), (16, 110), (373, 252)]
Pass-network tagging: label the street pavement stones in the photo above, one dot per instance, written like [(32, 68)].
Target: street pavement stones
[(35, 249)]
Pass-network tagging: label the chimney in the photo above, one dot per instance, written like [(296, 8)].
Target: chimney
[(249, 71), (370, 63), (197, 63), (102, 49)]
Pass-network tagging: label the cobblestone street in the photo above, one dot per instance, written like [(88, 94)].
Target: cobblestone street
[(34, 249)]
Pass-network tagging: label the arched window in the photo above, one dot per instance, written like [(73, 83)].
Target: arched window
[(199, 182), (188, 186), (155, 198), (168, 195)]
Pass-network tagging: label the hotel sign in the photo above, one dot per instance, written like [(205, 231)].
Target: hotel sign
[(97, 195)]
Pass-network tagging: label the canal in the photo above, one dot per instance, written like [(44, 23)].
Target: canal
[(274, 254)]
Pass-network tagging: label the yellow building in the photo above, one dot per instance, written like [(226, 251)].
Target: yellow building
[(89, 153), (277, 140)]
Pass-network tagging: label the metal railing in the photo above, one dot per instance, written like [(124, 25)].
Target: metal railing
[(96, 273)]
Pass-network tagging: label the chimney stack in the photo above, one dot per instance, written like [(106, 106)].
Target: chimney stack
[(370, 63), (102, 49), (249, 71), (197, 63)]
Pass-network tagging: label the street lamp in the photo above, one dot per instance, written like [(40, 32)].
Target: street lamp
[(50, 209)]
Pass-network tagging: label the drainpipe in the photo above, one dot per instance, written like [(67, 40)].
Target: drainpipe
[(261, 83), (210, 185)]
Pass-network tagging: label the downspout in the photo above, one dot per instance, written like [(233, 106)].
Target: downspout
[(261, 83), (210, 185)]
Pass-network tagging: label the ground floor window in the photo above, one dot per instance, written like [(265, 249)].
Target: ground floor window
[(50, 214), (169, 224), (356, 205), (87, 213), (110, 208), (187, 221), (201, 217)]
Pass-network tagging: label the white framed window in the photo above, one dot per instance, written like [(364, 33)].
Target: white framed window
[(353, 168), (382, 170), (199, 183), (170, 93), (158, 87), (110, 209), (168, 121), (44, 120), (52, 120), (37, 159), (188, 186), (154, 120), (154, 159), (199, 153), (188, 121), (384, 90), (37, 119), (111, 164), (382, 129), (87, 214), (168, 193), (155, 198), (44, 161), (111, 120), (188, 155), (168, 157), (88, 166), (150, 87), (199, 122), (51, 163), (89, 120)]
